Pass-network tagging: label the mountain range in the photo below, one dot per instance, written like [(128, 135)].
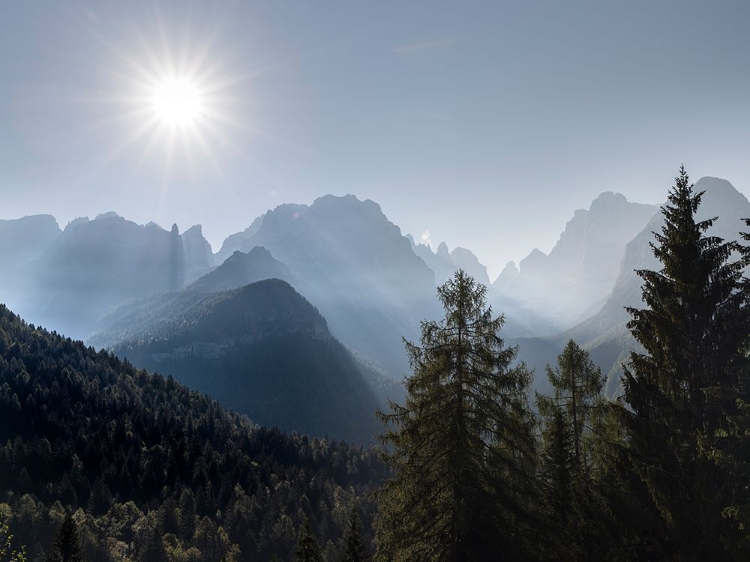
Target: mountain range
[(360, 286)]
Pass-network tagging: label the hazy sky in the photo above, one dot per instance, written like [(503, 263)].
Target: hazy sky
[(484, 123)]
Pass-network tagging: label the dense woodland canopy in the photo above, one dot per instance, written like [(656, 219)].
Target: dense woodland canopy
[(101, 461), (148, 467)]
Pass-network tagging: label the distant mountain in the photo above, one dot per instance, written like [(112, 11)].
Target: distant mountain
[(161, 311), (356, 267), (262, 350), (96, 265), (22, 241), (233, 243), (199, 258), (581, 269), (241, 269), (444, 263), (605, 333), (154, 465)]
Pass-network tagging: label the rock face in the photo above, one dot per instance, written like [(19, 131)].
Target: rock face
[(439, 262), (262, 350), (242, 269), (466, 260), (234, 242), (444, 263), (356, 267), (95, 265), (582, 268), (199, 258), (22, 242)]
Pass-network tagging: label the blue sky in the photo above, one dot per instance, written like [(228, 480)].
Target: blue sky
[(484, 123)]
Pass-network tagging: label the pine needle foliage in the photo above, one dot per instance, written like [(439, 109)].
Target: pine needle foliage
[(462, 447), (683, 391)]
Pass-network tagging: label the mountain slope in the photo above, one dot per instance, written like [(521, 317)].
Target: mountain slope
[(356, 267), (156, 466), (241, 269), (262, 350)]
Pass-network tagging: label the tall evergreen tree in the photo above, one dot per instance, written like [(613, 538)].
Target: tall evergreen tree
[(354, 547), (462, 447), (67, 544), (308, 549), (683, 390), (568, 453)]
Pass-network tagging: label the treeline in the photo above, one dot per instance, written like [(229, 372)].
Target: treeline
[(663, 473), (151, 471)]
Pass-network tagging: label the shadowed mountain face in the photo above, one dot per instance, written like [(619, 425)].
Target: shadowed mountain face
[(262, 350), (161, 311), (242, 269), (22, 241), (95, 265), (199, 258), (357, 268), (582, 268)]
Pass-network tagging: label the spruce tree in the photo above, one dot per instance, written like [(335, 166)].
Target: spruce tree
[(683, 390), (67, 544), (354, 548), (462, 447), (308, 549)]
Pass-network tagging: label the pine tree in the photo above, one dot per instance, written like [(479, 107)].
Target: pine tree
[(568, 452), (354, 548), (683, 390), (308, 549), (462, 447), (67, 544)]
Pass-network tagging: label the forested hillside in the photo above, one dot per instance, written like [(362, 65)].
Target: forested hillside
[(153, 471), (262, 350)]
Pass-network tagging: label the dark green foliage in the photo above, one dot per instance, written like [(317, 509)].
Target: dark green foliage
[(308, 549), (568, 462), (463, 445), (138, 452), (67, 545), (354, 547), (685, 389)]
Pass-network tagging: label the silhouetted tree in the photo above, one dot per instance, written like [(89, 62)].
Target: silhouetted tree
[(308, 549), (463, 446), (354, 547), (67, 544), (684, 389), (568, 453)]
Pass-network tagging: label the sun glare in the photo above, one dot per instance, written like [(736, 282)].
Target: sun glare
[(177, 102), (176, 98)]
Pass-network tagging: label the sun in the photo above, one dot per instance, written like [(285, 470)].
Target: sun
[(177, 102)]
